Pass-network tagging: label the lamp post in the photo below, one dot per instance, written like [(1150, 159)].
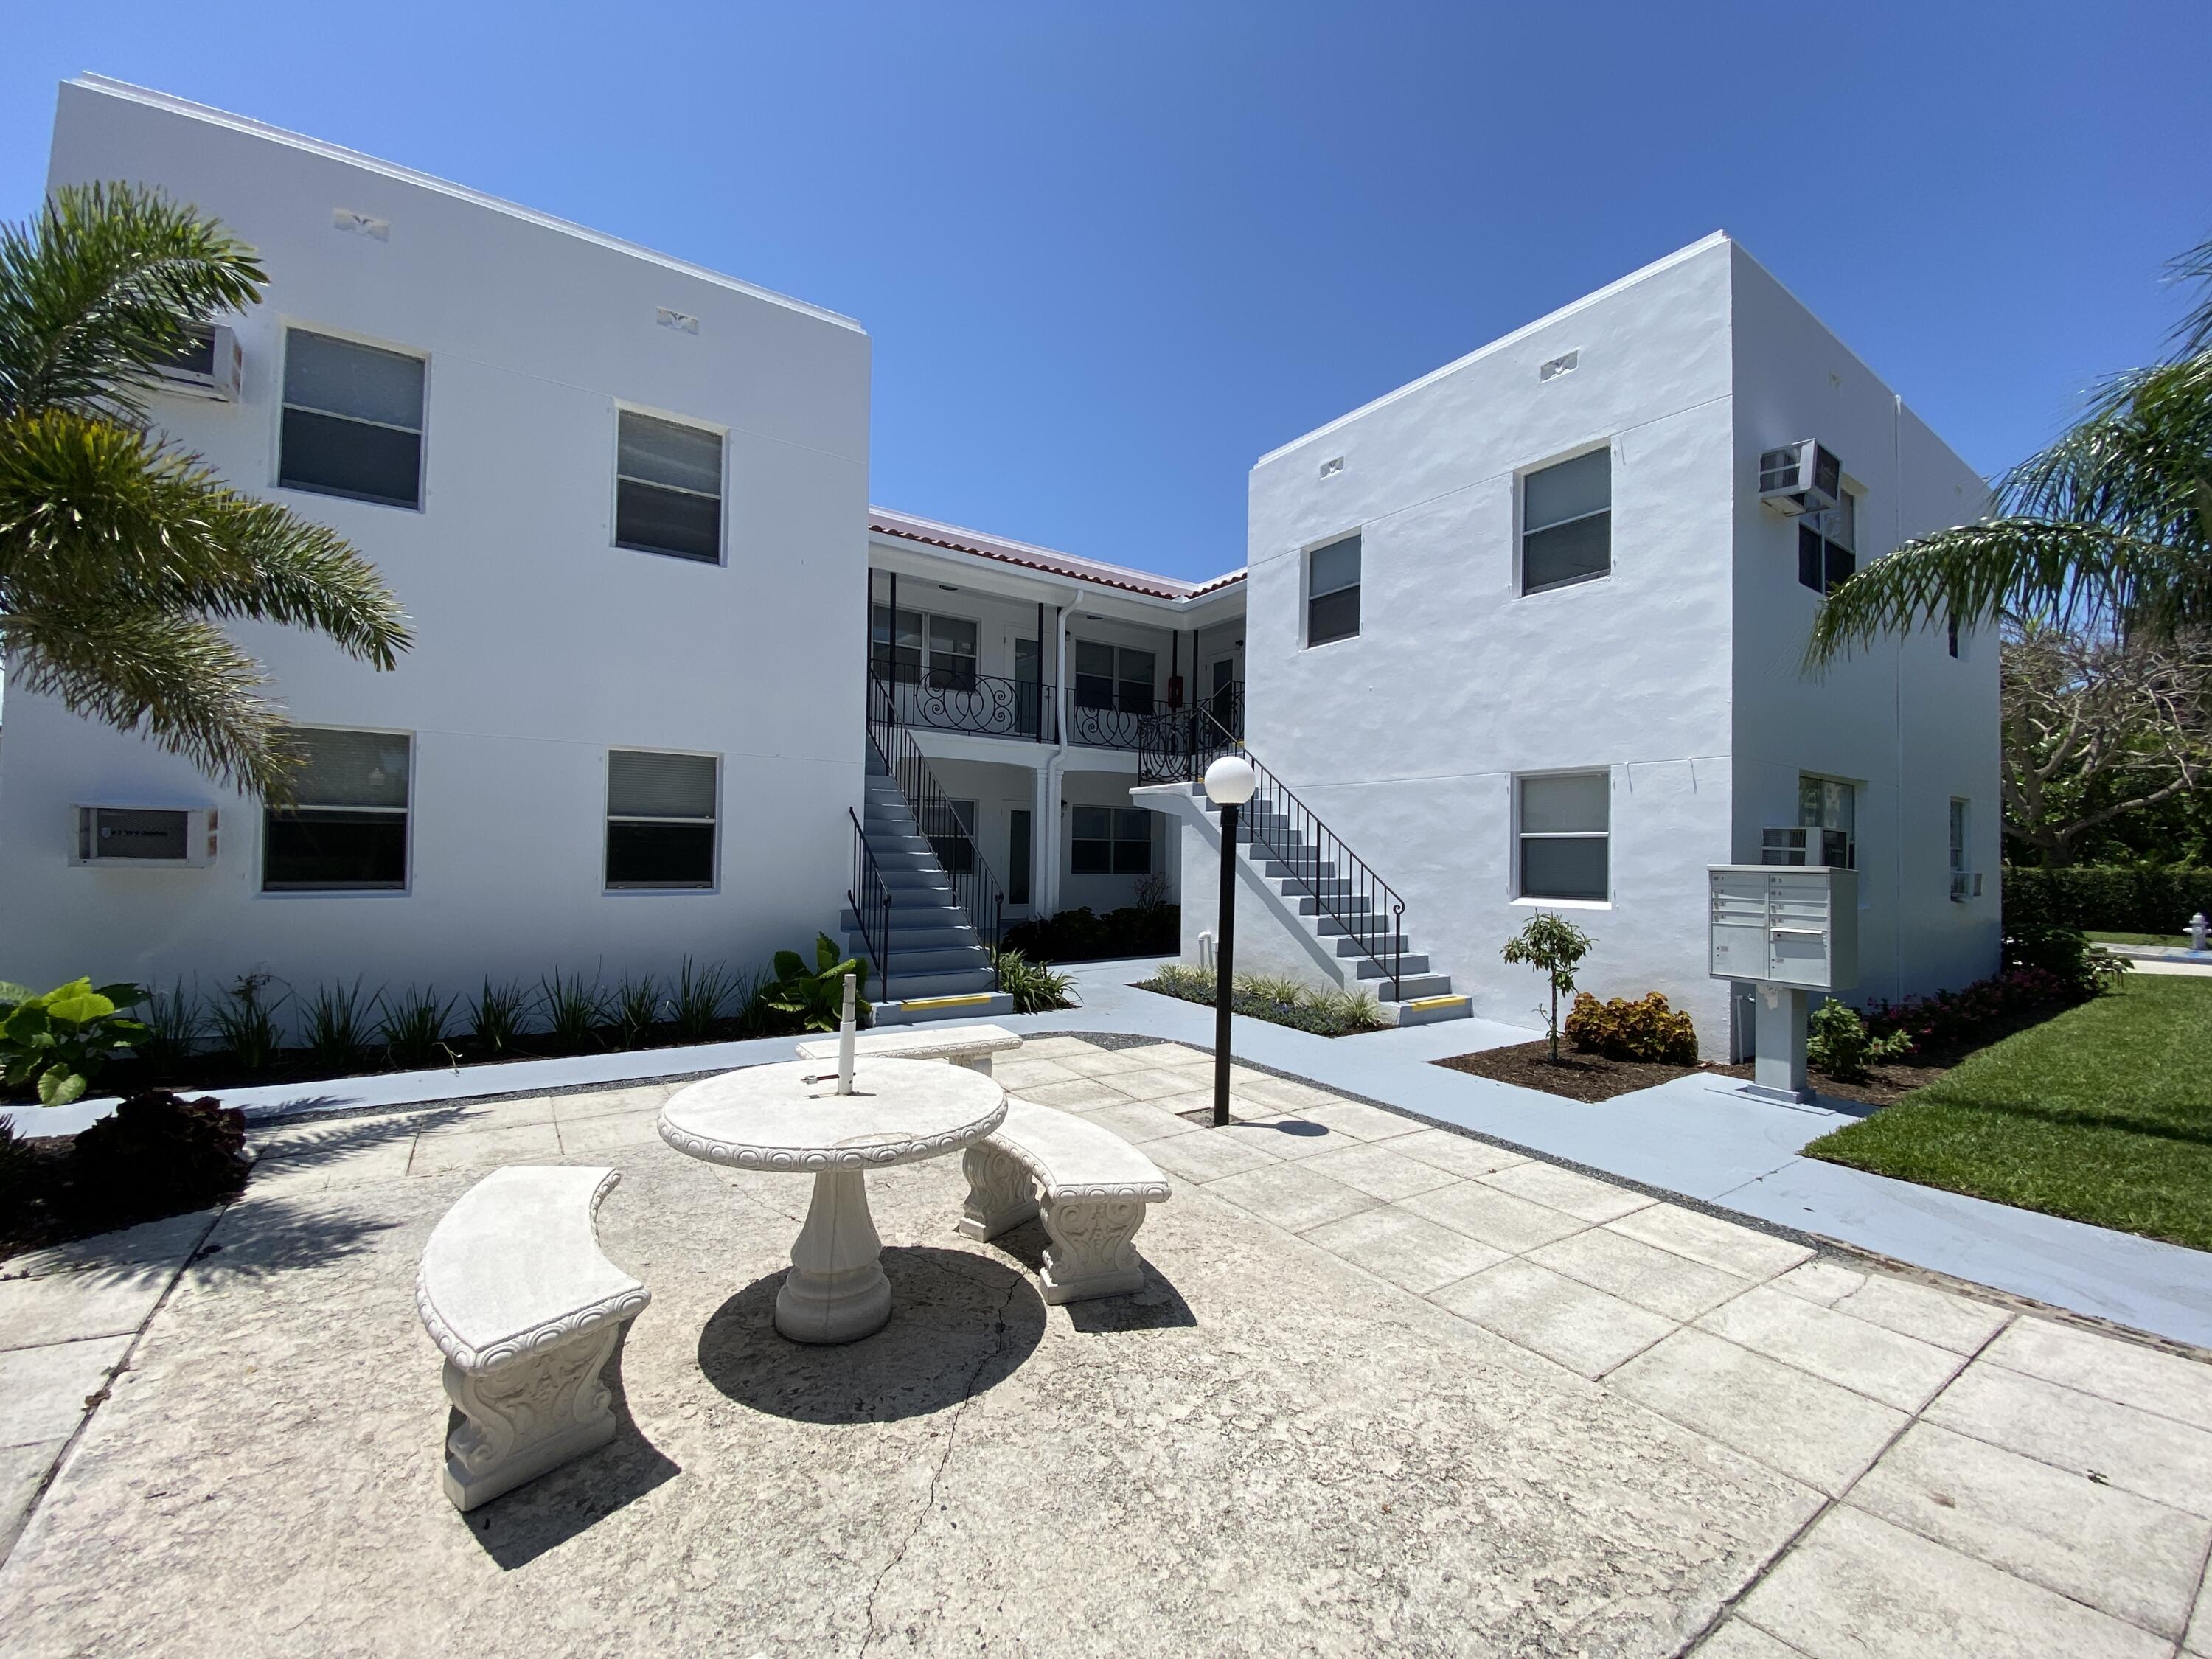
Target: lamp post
[(1229, 784)]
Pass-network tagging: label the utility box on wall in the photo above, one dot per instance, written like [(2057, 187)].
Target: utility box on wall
[(1784, 925)]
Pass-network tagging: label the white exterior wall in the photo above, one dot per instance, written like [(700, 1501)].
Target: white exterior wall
[(1905, 722), (1678, 673), (539, 645), (1407, 739)]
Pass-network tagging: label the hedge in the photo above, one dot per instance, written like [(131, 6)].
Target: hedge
[(2105, 901)]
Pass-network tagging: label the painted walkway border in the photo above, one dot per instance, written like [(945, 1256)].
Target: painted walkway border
[(1689, 1137)]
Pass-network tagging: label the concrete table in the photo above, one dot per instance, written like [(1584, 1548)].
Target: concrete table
[(790, 1118)]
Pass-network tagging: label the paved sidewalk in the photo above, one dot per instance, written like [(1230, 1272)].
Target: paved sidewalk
[(1387, 1388), (1687, 1137)]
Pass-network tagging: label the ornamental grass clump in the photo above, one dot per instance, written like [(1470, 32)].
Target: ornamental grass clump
[(413, 1030), (495, 1016), (1645, 1030), (1036, 989), (337, 1027)]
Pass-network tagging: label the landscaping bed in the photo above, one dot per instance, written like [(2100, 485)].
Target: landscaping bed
[(1279, 1001), (2101, 1113)]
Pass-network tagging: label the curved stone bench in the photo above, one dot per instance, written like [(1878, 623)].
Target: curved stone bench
[(1090, 1186), (971, 1046), (514, 1291)]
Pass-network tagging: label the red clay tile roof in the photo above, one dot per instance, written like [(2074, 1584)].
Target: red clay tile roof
[(957, 540)]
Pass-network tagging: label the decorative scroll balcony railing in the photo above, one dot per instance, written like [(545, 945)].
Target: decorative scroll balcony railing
[(986, 705), (1180, 746)]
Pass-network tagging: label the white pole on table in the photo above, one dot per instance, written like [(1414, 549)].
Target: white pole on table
[(847, 1028)]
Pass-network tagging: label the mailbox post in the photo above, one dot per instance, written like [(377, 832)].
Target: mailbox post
[(1789, 930)]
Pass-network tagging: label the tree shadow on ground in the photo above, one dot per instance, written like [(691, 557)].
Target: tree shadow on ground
[(1157, 1305), (518, 1527), (960, 1324), (281, 1234)]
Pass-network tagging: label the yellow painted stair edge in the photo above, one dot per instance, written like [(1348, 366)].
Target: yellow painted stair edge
[(1433, 1002), (961, 1001)]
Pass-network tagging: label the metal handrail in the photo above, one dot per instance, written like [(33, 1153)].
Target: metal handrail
[(977, 889), (1179, 750), (1118, 726), (944, 700), (870, 899)]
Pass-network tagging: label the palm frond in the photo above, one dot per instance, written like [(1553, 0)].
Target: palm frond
[(192, 692), (102, 285), (2195, 334)]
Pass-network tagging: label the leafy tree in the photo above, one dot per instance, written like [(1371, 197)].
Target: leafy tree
[(121, 556), (1555, 947), (2108, 530), (2099, 729)]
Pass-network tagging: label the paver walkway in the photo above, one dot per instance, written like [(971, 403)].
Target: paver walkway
[(1388, 1388)]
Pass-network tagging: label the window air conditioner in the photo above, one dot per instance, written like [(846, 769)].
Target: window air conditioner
[(146, 836), (1965, 884), (1800, 478), (209, 366), (1796, 844)]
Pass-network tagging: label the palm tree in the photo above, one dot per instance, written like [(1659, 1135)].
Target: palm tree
[(120, 556), (2108, 530)]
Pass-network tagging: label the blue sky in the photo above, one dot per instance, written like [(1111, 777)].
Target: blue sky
[(1111, 255)]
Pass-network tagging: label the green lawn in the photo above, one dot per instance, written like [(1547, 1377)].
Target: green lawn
[(2181, 940), (2102, 1114)]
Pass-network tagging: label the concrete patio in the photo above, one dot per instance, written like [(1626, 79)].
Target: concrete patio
[(1387, 1387)]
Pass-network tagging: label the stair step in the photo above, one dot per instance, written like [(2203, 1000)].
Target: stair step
[(1409, 965), (955, 982), (1416, 985), (1354, 905), (1363, 944)]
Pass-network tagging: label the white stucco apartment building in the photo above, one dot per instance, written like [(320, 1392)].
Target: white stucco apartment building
[(1520, 633), (1568, 674)]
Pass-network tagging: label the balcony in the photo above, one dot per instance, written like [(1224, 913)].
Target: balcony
[(1028, 711)]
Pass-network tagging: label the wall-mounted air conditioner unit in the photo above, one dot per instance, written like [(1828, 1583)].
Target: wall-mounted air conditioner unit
[(210, 366), (1800, 478), (145, 838), (1796, 844), (1965, 884)]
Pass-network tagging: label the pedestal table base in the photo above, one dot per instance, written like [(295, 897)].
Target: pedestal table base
[(836, 1291)]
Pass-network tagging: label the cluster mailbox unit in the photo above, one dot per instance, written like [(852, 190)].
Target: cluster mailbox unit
[(1789, 929)]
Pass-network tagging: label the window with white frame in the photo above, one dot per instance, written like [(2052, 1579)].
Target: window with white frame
[(352, 422), (1111, 841), (660, 819), (1115, 677), (346, 829), (1567, 522), (1830, 803), (914, 643), (1826, 550), (1566, 834), (668, 488), (1333, 592), (1960, 847)]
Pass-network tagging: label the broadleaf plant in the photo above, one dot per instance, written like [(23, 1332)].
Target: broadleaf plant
[(817, 995), (58, 1040)]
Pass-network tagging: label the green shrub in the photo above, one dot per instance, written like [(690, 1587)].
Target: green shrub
[(1280, 1001), (1646, 1029), (337, 1027), (495, 1016), (815, 996), (59, 1040), (701, 997), (575, 1011), (2104, 899), (175, 1023), (1035, 987), (1082, 935), (413, 1030), (2066, 956), (245, 1026), (1837, 1042), (636, 1008)]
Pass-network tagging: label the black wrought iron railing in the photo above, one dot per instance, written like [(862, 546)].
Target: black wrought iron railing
[(951, 701), (975, 887), (870, 900), (1178, 748)]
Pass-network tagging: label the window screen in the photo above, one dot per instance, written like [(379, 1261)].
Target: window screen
[(1826, 550), (1567, 522), (1115, 677), (668, 489), (1565, 821), (1333, 592), (346, 830), (1958, 842), (1830, 803), (352, 420), (896, 653), (660, 819), (951, 654)]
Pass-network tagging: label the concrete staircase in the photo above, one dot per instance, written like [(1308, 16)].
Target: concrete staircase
[(1302, 880), (938, 967)]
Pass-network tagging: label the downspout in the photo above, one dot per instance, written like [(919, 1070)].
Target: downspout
[(1048, 837), (1896, 541)]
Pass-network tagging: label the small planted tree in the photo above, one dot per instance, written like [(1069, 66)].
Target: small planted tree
[(1554, 947)]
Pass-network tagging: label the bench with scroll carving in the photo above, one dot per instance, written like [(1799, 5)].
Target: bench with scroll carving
[(515, 1293), (1090, 1186)]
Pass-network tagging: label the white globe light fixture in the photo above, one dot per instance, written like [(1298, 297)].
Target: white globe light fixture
[(1229, 783)]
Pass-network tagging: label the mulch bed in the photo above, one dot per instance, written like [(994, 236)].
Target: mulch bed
[(1592, 1077)]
